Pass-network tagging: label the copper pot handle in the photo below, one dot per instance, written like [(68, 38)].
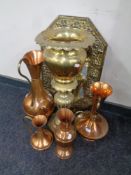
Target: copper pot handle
[(21, 74)]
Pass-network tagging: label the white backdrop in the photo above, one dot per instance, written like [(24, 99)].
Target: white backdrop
[(22, 20)]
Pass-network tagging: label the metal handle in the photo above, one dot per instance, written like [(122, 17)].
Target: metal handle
[(78, 112), (19, 71)]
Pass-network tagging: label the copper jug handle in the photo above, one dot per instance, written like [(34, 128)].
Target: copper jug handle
[(20, 73)]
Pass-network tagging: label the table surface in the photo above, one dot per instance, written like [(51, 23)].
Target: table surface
[(108, 156)]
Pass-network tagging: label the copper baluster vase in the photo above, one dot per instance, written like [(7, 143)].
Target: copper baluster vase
[(65, 134)]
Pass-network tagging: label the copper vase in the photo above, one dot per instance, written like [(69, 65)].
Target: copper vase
[(42, 138), (38, 101), (92, 125), (65, 134)]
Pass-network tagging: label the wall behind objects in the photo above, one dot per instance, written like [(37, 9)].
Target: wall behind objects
[(21, 21)]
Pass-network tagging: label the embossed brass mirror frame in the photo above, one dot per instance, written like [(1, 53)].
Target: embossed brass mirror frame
[(94, 61)]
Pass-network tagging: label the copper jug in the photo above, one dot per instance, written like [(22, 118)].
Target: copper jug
[(38, 101)]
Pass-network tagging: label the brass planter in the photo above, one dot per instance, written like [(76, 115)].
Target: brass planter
[(65, 55)]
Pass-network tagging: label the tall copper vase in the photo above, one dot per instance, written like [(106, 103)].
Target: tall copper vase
[(92, 125), (38, 101)]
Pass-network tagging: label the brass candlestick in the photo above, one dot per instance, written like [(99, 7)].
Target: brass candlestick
[(65, 134), (38, 101), (92, 125), (65, 55), (42, 138)]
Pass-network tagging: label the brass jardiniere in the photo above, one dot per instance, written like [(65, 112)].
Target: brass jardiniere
[(65, 55)]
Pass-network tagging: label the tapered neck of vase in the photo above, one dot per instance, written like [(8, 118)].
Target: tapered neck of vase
[(65, 126), (36, 83), (37, 88), (34, 70), (40, 132), (95, 104)]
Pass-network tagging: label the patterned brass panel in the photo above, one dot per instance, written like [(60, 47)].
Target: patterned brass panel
[(94, 61)]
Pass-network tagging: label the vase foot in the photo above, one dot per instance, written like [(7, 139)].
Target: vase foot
[(64, 152), (91, 128), (43, 141)]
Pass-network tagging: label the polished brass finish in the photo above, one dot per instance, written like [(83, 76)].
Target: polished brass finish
[(63, 86), (65, 38), (65, 134), (63, 98), (42, 138), (38, 101), (94, 60), (92, 125), (65, 64), (65, 55)]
